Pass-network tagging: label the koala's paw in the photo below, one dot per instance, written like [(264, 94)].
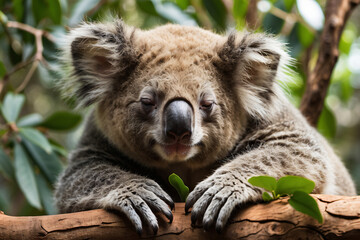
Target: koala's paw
[(214, 199), (139, 199)]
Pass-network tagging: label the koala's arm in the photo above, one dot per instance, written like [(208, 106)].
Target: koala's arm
[(278, 153), (95, 178)]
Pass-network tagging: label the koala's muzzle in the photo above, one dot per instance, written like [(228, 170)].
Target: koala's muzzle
[(178, 119)]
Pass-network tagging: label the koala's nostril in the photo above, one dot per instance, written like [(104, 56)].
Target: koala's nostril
[(178, 116), (172, 135), (186, 136)]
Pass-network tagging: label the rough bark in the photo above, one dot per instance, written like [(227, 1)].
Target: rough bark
[(251, 15), (336, 14), (274, 220)]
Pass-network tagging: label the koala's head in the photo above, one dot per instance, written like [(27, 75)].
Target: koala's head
[(173, 94)]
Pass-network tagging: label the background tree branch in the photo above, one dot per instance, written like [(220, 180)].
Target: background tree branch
[(336, 14)]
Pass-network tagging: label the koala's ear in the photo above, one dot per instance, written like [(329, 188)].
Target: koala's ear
[(95, 57), (253, 62)]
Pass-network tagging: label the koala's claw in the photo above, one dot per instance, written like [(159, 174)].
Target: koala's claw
[(158, 191), (139, 199), (214, 199)]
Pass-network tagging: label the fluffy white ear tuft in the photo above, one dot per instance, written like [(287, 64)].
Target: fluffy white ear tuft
[(94, 57), (255, 62)]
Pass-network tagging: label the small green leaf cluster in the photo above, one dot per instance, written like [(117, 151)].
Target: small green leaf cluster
[(179, 186), (297, 188), (28, 157)]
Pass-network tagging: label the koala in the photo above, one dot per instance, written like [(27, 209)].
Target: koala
[(185, 100)]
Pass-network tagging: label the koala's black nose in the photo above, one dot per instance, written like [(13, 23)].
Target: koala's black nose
[(178, 117)]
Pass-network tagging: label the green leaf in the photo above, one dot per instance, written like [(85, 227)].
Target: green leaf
[(347, 89), (266, 197), (55, 11), (46, 195), (49, 164), (266, 182), (60, 150), (240, 8), (179, 185), (147, 6), (6, 166), (36, 137), (79, 9), (304, 203), (5, 200), (25, 176), (239, 12), (327, 123), (347, 38), (2, 69), (47, 9), (18, 6), (183, 4), (61, 121), (11, 106), (290, 184), (173, 13), (30, 120), (217, 11), (289, 4), (3, 17), (305, 35)]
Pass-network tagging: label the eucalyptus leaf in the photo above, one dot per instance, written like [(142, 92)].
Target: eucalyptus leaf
[(304, 203), (6, 166), (79, 10), (55, 11), (217, 11), (266, 182), (30, 120), (147, 6), (240, 8), (5, 198), (290, 184), (18, 6), (49, 164), (305, 35), (25, 176), (289, 4), (61, 121), (327, 123), (3, 17), (60, 150), (36, 137), (46, 195), (2, 69), (12, 106), (173, 13), (47, 9), (179, 185), (183, 4)]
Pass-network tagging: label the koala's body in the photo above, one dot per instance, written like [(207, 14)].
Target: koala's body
[(184, 100)]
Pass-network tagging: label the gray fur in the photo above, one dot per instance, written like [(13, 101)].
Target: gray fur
[(120, 162)]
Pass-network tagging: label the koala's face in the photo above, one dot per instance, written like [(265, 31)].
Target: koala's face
[(171, 95)]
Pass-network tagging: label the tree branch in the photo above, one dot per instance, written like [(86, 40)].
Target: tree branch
[(251, 17), (274, 220), (38, 57), (336, 14)]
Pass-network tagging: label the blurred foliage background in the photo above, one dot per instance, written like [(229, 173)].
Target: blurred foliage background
[(37, 129)]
